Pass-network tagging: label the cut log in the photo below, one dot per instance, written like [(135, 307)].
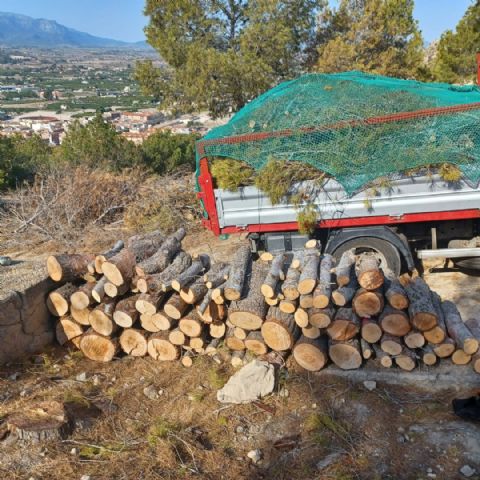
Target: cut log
[(213, 313), (344, 294), (473, 325), (288, 306), (445, 349), (249, 312), (67, 329), (212, 347), (133, 342), (368, 303), (459, 357), (120, 268), (113, 291), (272, 302), (421, 310), (367, 350), (297, 260), (240, 333), (98, 347), (205, 302), (195, 292), (58, 300), (191, 325), (457, 330), (101, 318), (68, 268), (313, 243), (101, 259), (217, 275), (346, 355), (384, 358), (391, 345), (266, 257), (149, 303), (394, 322), (369, 275), (98, 291), (217, 329), (177, 337), (175, 307), (311, 353), (428, 355), (255, 343), (414, 339), (311, 331), (344, 268), (199, 343), (145, 246), (156, 322), (232, 342), (290, 285), (80, 316), (274, 275), (323, 291), (394, 292), (406, 360), (370, 330), (159, 348), (218, 294), (194, 271), (82, 298), (308, 277), (187, 359), (321, 317), (476, 362), (280, 330), (239, 268), (438, 333), (345, 325), (238, 358), (126, 314), (301, 317), (306, 301)]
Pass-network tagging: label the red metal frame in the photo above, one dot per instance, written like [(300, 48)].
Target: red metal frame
[(478, 69)]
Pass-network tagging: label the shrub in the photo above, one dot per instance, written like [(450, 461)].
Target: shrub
[(231, 174)]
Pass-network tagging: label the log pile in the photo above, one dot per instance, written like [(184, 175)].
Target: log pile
[(148, 296)]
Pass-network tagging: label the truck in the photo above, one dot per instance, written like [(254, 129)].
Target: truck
[(418, 215)]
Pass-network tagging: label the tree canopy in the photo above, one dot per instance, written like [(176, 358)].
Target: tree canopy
[(223, 53), (455, 61), (377, 36)]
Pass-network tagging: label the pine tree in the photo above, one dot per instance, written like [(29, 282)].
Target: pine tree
[(378, 36), (455, 61)]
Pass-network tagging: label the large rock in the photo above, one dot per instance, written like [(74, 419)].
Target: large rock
[(255, 380)]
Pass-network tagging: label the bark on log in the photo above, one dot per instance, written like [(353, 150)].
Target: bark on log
[(67, 329), (394, 322), (421, 310), (368, 303), (310, 331), (288, 306), (438, 333), (394, 292), (156, 322), (101, 259), (459, 357), (301, 317), (473, 325), (306, 301), (344, 294), (345, 325), (280, 330), (428, 355), (346, 355), (175, 307), (391, 345), (217, 275), (191, 325), (344, 268), (98, 347), (255, 343), (367, 350), (68, 268), (238, 358), (232, 342), (249, 312), (98, 291), (369, 275), (150, 303), (476, 362), (205, 302), (384, 358), (323, 291), (445, 349), (290, 285), (195, 292), (177, 337), (457, 329), (58, 300), (82, 298), (239, 268), (133, 342), (309, 276), (406, 360), (119, 269), (212, 347), (298, 259), (213, 313), (217, 329), (321, 317), (274, 275), (311, 353), (159, 348), (414, 339), (192, 273), (80, 316), (126, 314), (370, 330), (101, 318), (145, 246)]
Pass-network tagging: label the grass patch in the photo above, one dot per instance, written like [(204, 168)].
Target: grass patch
[(76, 398), (217, 377), (160, 430)]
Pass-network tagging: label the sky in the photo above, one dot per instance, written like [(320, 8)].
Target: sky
[(124, 20)]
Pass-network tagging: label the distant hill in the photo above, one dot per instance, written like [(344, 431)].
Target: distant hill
[(22, 31)]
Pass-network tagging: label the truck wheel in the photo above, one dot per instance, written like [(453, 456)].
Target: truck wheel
[(388, 254)]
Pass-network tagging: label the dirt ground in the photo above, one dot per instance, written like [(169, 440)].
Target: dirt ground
[(312, 427)]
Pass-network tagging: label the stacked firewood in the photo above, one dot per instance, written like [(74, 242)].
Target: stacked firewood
[(149, 297)]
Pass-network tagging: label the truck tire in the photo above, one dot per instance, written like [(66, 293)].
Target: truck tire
[(388, 254)]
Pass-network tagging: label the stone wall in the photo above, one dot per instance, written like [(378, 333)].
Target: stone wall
[(26, 326)]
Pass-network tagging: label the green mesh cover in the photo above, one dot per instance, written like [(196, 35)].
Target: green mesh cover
[(321, 119)]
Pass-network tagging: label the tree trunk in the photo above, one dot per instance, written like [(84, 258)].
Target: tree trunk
[(239, 268), (367, 350), (217, 329), (309, 275), (306, 301), (194, 271), (311, 353), (150, 303), (421, 309), (438, 333), (369, 275), (280, 330), (459, 357), (126, 314), (120, 268), (82, 298), (394, 322), (255, 343), (370, 330), (133, 342), (232, 342), (301, 317), (288, 306), (445, 349), (274, 275), (177, 337), (217, 275), (428, 355), (195, 292), (98, 291), (391, 345), (384, 358), (344, 268), (323, 291), (156, 322), (66, 330), (159, 348), (321, 317), (97, 347), (290, 285), (345, 326), (368, 303), (101, 318), (250, 312), (406, 360), (414, 339), (68, 268), (101, 259), (457, 329), (310, 331), (58, 300), (191, 325), (346, 355), (80, 316)]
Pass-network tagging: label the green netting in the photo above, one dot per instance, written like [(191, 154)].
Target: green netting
[(325, 116)]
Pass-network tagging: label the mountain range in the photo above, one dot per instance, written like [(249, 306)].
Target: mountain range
[(23, 31)]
